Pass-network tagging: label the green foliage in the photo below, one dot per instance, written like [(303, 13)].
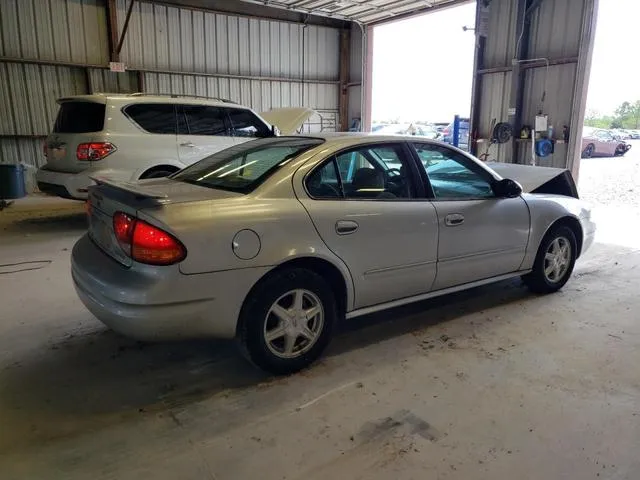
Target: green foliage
[(627, 116)]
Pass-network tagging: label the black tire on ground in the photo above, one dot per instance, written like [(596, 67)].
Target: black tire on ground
[(588, 152), (159, 173), (256, 314), (538, 281)]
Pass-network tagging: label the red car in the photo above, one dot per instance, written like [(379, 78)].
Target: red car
[(600, 143)]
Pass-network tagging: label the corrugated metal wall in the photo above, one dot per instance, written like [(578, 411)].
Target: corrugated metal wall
[(60, 47), (62, 30), (559, 32)]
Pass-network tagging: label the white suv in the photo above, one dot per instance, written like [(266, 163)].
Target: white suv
[(136, 136)]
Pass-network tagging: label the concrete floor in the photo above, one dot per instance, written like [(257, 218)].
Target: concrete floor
[(494, 383)]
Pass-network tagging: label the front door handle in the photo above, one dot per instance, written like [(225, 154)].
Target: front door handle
[(345, 227), (454, 220), (187, 144)]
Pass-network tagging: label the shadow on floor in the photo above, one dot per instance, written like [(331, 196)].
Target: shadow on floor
[(95, 379), (60, 223)]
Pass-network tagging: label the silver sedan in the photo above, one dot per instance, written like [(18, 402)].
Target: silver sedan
[(274, 241)]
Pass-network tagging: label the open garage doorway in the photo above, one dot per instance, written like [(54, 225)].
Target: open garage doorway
[(610, 164), (422, 75)]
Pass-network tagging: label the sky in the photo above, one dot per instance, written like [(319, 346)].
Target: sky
[(423, 67)]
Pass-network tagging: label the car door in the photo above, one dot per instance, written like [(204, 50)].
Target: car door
[(480, 235), (607, 143), (371, 212), (202, 131)]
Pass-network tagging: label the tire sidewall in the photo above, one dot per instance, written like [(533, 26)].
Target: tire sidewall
[(538, 268), (254, 313)]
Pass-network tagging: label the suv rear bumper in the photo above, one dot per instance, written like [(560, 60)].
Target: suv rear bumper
[(65, 185)]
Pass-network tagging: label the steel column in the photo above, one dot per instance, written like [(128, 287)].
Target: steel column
[(343, 102)]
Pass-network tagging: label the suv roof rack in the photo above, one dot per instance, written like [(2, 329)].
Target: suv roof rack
[(177, 95)]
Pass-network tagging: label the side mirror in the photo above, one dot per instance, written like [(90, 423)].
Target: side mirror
[(507, 188)]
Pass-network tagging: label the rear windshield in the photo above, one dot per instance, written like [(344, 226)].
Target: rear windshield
[(243, 167), (79, 117)]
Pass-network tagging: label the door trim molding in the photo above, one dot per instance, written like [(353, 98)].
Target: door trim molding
[(425, 296), (399, 267)]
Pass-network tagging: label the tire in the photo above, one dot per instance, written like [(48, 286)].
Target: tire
[(540, 281), (588, 152), (157, 174), (290, 350)]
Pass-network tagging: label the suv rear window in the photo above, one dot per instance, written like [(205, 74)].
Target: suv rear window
[(80, 117), (243, 167)]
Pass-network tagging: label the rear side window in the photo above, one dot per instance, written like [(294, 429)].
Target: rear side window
[(245, 166), (80, 117), (204, 120), (153, 117), (244, 123)]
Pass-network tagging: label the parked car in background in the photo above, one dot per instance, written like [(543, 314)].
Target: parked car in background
[(463, 135), (635, 134), (137, 136), (620, 134), (407, 129), (274, 241), (602, 143), (440, 126)]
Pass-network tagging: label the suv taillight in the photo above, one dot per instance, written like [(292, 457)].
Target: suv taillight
[(94, 151), (145, 243)]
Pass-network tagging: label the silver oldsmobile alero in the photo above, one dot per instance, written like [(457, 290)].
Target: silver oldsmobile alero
[(275, 240)]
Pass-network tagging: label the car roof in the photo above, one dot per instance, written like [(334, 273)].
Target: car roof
[(339, 140), (149, 98)]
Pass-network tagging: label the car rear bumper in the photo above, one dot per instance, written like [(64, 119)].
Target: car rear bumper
[(62, 184), (159, 303)]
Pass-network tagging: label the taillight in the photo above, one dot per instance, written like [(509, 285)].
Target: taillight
[(123, 228), (94, 151), (145, 243)]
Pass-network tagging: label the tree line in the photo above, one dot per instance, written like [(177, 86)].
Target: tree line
[(626, 116)]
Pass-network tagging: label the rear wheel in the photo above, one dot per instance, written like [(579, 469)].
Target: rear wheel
[(554, 262), (288, 321)]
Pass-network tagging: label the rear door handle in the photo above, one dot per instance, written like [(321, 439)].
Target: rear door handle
[(345, 227), (187, 144), (454, 220)]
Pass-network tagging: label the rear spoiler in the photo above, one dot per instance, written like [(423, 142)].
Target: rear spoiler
[(128, 187)]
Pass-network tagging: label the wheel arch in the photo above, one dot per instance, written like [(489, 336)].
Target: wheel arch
[(338, 280), (572, 223), (165, 166)]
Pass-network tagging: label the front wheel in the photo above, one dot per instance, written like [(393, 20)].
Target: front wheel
[(589, 151), (288, 321), (554, 262)]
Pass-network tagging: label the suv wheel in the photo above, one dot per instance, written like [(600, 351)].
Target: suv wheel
[(288, 321)]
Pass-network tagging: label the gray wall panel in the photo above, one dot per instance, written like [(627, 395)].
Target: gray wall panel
[(61, 30), (29, 95), (186, 40)]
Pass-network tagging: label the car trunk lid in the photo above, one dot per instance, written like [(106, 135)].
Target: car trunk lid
[(78, 121), (109, 197)]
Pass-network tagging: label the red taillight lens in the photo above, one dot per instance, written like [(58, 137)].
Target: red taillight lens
[(94, 151), (123, 225), (145, 243)]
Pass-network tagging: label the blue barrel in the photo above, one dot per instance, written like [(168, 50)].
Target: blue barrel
[(11, 181)]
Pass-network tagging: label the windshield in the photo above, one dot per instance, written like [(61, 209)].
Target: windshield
[(243, 167)]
